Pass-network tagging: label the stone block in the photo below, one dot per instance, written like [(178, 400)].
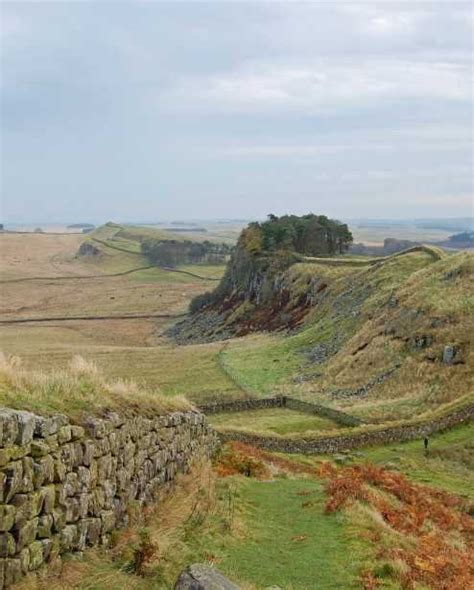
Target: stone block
[(68, 538), (83, 501), (68, 455), (60, 470), (94, 527), (36, 555), (96, 428), (78, 454), (64, 434), (49, 498), (45, 525), (59, 519), (449, 352), (12, 572), (202, 577), (39, 448), (47, 546), (5, 456), (104, 466), (60, 494), (3, 482), (52, 442), (7, 545), (96, 501), (9, 427), (43, 470), (114, 443), (54, 548), (7, 517), (102, 447), (28, 475), (77, 432), (24, 557), (83, 478), (29, 505), (108, 519), (71, 484), (88, 451), (109, 487), (47, 426), (25, 533), (26, 427), (14, 473), (71, 506)]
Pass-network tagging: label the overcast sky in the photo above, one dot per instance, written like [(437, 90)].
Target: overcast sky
[(162, 110)]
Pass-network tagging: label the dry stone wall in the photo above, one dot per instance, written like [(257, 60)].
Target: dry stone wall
[(352, 440), (64, 486), (282, 401)]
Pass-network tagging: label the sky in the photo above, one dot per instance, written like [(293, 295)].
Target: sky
[(149, 111)]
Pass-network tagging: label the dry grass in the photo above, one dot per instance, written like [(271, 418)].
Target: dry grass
[(25, 255), (124, 349), (423, 535), (77, 391)]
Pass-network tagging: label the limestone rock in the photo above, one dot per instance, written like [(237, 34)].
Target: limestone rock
[(449, 353), (7, 545), (203, 577), (7, 517)]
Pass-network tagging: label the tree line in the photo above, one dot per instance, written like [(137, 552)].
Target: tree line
[(174, 253), (311, 235)]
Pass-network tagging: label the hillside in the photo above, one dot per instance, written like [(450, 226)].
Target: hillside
[(384, 340), (387, 338)]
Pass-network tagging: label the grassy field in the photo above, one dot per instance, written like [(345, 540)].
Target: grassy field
[(266, 530), (126, 349), (271, 421)]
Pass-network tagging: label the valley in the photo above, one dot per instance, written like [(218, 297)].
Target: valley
[(387, 341)]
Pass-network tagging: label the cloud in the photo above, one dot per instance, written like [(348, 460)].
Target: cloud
[(154, 108), (324, 85)]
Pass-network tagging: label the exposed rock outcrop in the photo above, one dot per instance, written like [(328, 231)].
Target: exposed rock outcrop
[(88, 249), (203, 577)]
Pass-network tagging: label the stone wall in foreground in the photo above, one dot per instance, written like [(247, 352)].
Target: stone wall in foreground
[(64, 487)]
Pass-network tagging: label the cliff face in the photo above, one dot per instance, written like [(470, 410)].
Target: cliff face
[(257, 293)]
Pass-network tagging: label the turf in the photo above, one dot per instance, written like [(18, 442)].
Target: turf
[(290, 545), (270, 421)]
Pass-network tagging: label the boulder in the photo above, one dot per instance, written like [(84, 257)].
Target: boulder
[(203, 577), (449, 353)]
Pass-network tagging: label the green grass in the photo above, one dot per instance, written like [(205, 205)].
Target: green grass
[(292, 546), (449, 463), (271, 421), (260, 363)]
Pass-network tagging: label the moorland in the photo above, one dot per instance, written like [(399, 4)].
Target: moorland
[(384, 339)]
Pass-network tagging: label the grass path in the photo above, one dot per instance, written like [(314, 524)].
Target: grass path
[(291, 542)]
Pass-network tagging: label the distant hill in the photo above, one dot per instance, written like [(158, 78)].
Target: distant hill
[(81, 226)]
